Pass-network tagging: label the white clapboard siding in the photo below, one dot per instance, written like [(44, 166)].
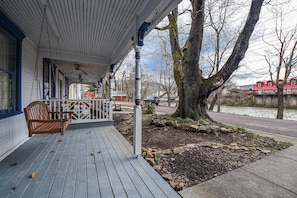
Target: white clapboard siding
[(13, 130), (29, 92)]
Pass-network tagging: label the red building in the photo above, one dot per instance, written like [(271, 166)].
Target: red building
[(269, 88)]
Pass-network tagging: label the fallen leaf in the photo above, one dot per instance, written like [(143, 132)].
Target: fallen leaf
[(99, 152), (33, 175), (14, 164), (92, 154), (53, 151), (13, 188), (59, 140)]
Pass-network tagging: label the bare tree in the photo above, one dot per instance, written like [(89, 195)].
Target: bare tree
[(193, 87), (219, 14), (282, 55), (165, 80)]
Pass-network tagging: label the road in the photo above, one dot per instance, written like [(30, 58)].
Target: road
[(286, 128)]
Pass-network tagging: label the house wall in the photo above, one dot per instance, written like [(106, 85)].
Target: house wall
[(271, 101), (13, 130)]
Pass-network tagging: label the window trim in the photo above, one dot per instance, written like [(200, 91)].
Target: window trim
[(14, 31)]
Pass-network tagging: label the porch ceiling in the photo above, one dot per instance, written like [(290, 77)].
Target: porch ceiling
[(93, 33)]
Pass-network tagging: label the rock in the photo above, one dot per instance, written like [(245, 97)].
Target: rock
[(149, 153), (176, 125), (233, 144), (215, 147), (169, 123), (224, 130), (143, 149), (203, 129), (124, 132), (233, 147), (194, 127), (151, 161), (173, 184), (212, 128), (244, 148), (265, 151), (204, 144), (167, 176), (178, 150), (157, 167), (180, 186), (167, 151), (191, 145)]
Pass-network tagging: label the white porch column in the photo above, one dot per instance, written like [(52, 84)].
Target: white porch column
[(110, 90), (137, 132)]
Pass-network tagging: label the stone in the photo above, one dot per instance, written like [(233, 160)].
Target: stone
[(176, 125), (195, 127), (215, 147), (167, 151), (157, 167), (265, 151), (173, 184), (224, 130), (203, 129), (180, 186), (211, 128), (149, 154), (151, 161), (191, 145), (244, 148), (234, 147), (167, 176), (204, 144), (178, 150)]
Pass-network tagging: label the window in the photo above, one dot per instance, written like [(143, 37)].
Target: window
[(10, 59), (293, 82), (269, 84), (8, 72), (259, 84)]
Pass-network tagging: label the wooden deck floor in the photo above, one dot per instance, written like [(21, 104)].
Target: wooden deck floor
[(90, 162)]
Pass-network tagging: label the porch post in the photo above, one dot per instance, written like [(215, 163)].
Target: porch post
[(110, 90), (137, 132)]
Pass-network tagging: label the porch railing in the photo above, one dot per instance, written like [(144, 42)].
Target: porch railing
[(83, 110)]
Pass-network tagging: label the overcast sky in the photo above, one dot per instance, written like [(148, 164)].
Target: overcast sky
[(253, 67)]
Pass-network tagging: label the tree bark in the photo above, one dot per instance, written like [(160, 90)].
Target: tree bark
[(193, 89), (280, 102)]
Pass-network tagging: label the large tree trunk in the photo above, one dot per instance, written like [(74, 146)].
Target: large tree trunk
[(193, 89)]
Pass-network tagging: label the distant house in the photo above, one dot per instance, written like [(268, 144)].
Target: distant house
[(118, 96), (265, 93), (269, 87)]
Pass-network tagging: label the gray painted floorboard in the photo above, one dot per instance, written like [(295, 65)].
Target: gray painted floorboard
[(89, 162)]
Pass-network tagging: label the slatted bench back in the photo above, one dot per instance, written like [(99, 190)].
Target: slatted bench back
[(36, 110)]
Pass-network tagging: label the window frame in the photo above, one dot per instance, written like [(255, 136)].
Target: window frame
[(14, 31)]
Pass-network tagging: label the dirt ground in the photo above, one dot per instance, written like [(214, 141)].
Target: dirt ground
[(185, 156)]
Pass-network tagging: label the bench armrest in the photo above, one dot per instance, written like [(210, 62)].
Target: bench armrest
[(55, 120)]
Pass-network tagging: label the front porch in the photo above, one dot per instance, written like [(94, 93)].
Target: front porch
[(89, 162)]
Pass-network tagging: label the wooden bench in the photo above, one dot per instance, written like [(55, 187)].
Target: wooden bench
[(39, 119)]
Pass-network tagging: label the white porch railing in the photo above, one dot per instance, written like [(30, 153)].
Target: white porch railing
[(83, 110)]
